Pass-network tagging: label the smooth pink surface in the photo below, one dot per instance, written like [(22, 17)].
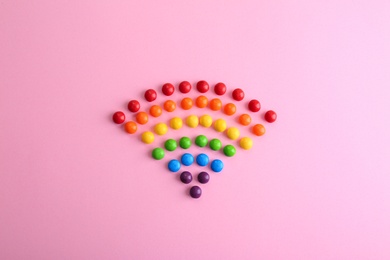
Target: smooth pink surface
[(73, 185)]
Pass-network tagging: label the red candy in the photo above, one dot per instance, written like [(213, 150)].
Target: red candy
[(168, 89), (202, 86), (150, 95), (220, 89), (238, 94), (133, 106), (118, 117), (270, 116), (254, 105), (185, 87)]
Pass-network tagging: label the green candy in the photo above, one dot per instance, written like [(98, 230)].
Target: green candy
[(158, 153), (185, 142), (215, 144), (229, 150), (170, 145), (201, 141)]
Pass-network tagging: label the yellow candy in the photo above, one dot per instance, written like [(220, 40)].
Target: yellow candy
[(205, 121), (147, 137), (161, 129), (192, 121), (233, 133), (176, 123), (220, 125), (246, 143)]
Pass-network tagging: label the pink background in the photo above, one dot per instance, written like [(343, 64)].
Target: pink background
[(73, 185)]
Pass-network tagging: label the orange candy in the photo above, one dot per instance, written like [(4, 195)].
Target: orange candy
[(229, 109), (215, 104), (141, 118), (258, 129), (245, 119), (155, 111), (131, 127), (169, 106), (186, 103), (201, 101)]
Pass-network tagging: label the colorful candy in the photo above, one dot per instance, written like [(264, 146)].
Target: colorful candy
[(220, 125), (245, 119), (254, 105), (161, 129), (133, 106), (215, 144), (187, 159), (215, 104), (176, 123), (170, 145), (216, 165), (169, 106), (192, 121), (229, 150), (258, 129), (150, 95), (184, 87), (203, 177), (155, 111), (270, 116), (131, 127), (174, 165), (206, 120), (142, 118), (246, 143), (238, 94), (233, 133), (196, 192), (147, 137), (186, 103), (118, 117), (202, 159), (185, 142), (229, 109), (186, 177), (201, 101), (201, 141), (220, 89), (158, 153), (202, 86), (168, 89)]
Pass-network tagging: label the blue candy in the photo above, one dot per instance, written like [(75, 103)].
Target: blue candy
[(202, 159), (187, 159), (174, 165), (216, 165)]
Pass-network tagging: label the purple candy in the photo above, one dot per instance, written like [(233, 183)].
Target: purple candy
[(203, 177), (195, 192), (186, 177)]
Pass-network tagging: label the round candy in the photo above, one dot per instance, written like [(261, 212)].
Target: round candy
[(169, 105), (233, 133), (186, 103), (150, 95), (186, 177), (131, 127), (161, 129), (155, 111), (196, 192), (245, 119), (254, 105), (229, 150), (206, 121), (158, 153), (215, 104), (170, 145), (202, 159), (202, 86), (168, 89), (238, 94), (147, 137), (258, 129), (185, 142), (192, 121), (174, 165), (133, 106), (141, 118), (176, 123), (203, 177), (118, 117), (220, 89), (246, 143), (215, 144), (187, 159), (216, 165), (220, 125), (201, 141), (201, 101), (229, 109), (270, 116), (185, 87)]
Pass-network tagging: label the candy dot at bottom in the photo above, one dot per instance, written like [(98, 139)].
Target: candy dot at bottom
[(195, 192), (216, 165), (174, 165)]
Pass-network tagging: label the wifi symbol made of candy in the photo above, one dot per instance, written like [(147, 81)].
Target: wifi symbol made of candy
[(192, 121)]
